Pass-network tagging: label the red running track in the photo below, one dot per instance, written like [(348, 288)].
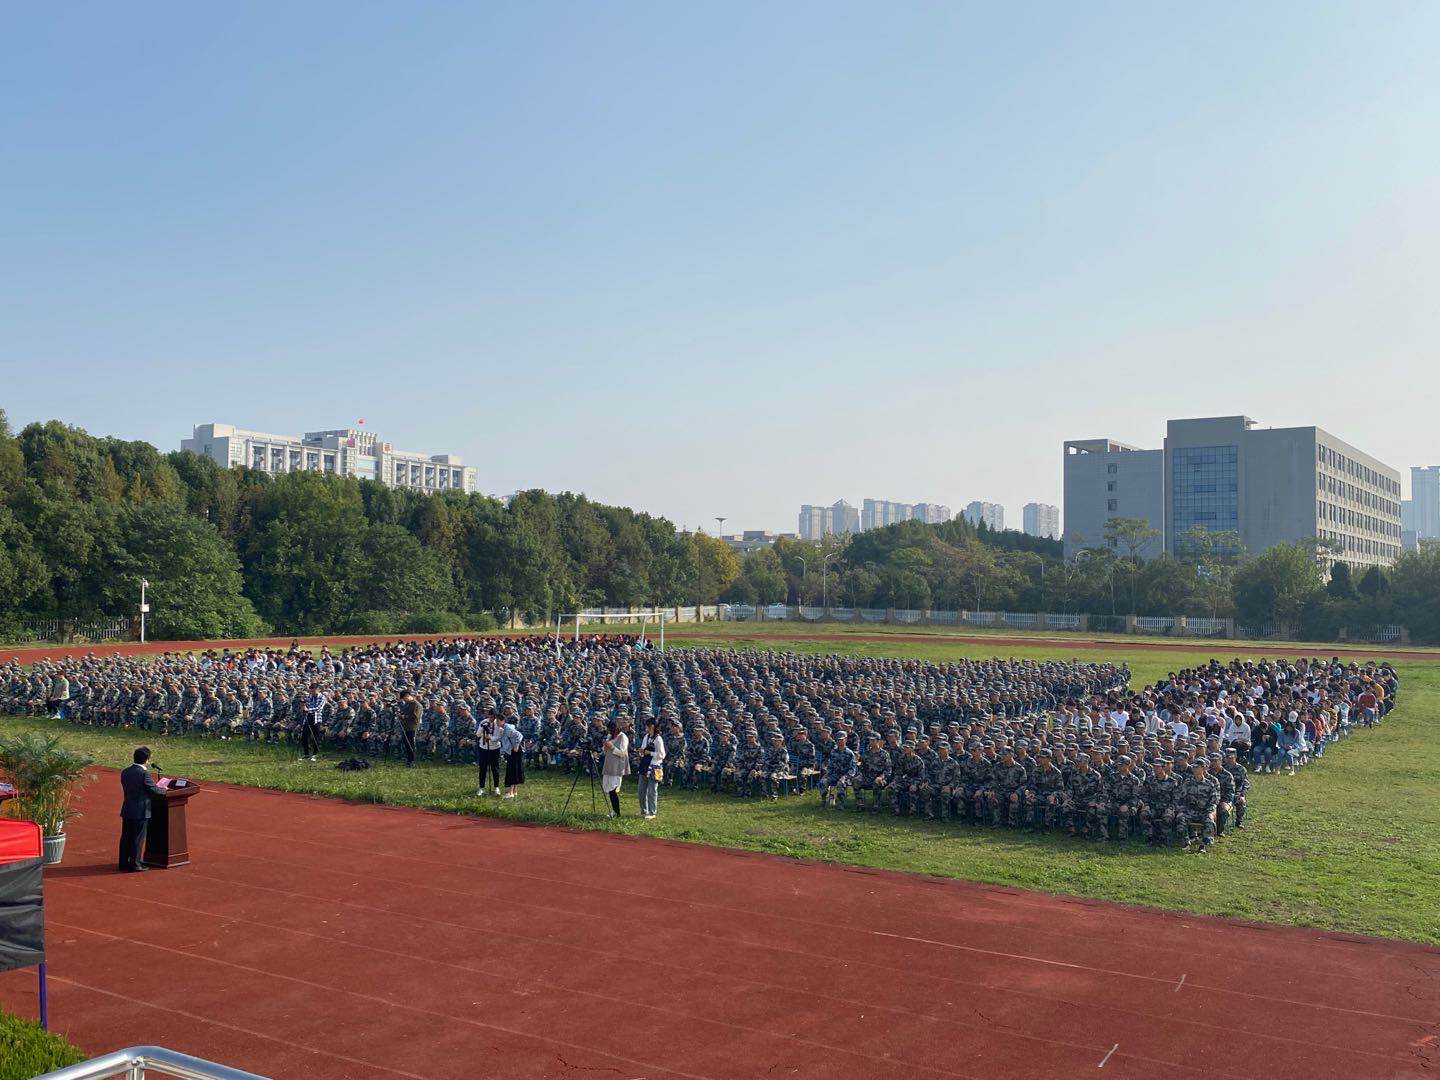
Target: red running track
[(1218, 647), (319, 939)]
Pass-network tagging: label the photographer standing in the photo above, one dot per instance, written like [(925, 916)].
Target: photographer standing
[(310, 725), (652, 758), (487, 740), (616, 766)]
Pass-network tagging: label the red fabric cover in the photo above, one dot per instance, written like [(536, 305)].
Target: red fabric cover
[(19, 840)]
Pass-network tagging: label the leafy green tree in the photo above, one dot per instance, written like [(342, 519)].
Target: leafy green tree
[(196, 589), (1275, 585), (1341, 586)]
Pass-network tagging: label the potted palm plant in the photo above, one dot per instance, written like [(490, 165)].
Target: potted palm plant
[(47, 777)]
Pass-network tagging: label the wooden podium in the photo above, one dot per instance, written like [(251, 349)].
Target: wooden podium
[(166, 843)]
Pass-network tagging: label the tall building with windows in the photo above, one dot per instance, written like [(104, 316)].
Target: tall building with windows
[(1107, 479), (1041, 519), (1425, 500), (878, 513), (838, 519), (1226, 474), (351, 452), (992, 515), (931, 513)]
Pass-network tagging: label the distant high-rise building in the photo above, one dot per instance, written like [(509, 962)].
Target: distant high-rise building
[(839, 519), (991, 515), (1042, 519), (878, 513), (341, 452), (1225, 474), (931, 513), (1425, 498)]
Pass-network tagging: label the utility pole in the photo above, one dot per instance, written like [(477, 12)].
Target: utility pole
[(144, 609)]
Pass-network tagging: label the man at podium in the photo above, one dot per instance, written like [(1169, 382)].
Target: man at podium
[(137, 786)]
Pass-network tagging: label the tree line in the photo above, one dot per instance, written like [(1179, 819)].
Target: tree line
[(238, 553)]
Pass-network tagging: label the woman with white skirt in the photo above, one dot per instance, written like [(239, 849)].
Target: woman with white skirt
[(616, 766)]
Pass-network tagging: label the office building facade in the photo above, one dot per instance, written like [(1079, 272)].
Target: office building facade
[(1225, 474), (991, 515), (1106, 479), (1041, 519), (352, 452)]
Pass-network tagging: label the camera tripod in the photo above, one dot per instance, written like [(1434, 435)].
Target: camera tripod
[(590, 756)]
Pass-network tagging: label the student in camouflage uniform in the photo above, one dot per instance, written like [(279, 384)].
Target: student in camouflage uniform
[(1199, 796), (1006, 779), (1240, 779), (1157, 805), (1088, 808), (974, 782), (777, 766), (1224, 810), (840, 768), (1125, 797), (941, 777), (873, 776), (1051, 801), (908, 782)]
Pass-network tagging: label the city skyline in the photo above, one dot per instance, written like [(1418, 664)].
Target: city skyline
[(507, 234)]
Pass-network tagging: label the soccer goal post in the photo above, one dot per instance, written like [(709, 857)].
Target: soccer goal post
[(655, 617)]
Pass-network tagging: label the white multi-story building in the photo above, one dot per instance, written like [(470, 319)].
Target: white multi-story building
[(1042, 519), (351, 452), (992, 515)]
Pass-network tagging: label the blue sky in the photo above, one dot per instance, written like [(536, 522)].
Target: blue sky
[(725, 259)]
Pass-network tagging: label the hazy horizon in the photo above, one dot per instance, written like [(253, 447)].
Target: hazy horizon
[(727, 260)]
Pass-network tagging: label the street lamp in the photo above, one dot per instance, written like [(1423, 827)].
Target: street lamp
[(804, 570), (144, 608), (825, 576)]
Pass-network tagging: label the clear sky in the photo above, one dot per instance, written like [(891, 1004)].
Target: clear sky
[(725, 258)]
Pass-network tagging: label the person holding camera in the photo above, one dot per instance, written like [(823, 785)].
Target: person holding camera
[(616, 765), (487, 743), (652, 758)]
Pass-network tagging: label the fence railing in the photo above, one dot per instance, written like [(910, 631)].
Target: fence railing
[(118, 628), (139, 1062)]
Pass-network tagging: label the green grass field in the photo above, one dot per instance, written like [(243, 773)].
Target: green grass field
[(1351, 843)]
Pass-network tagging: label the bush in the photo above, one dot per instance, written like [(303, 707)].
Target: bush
[(26, 1051), (481, 621), (371, 622), (437, 622)]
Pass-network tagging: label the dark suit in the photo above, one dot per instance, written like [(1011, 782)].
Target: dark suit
[(137, 785)]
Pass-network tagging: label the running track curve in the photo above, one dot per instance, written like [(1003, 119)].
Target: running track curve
[(320, 939)]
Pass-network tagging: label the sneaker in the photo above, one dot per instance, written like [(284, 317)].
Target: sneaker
[(480, 792), (312, 757), (496, 791), (509, 795)]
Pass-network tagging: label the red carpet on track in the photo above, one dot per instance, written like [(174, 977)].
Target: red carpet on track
[(313, 938)]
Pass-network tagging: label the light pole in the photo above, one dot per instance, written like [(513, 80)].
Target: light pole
[(825, 576), (804, 570), (144, 608)]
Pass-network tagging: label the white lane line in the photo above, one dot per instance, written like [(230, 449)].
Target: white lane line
[(1107, 1056)]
